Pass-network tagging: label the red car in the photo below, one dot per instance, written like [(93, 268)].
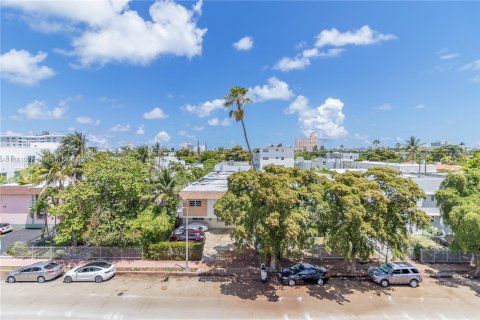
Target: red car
[(193, 235)]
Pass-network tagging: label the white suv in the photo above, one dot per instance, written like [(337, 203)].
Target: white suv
[(5, 227)]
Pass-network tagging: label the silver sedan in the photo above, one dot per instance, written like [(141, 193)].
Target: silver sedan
[(40, 272), (97, 271)]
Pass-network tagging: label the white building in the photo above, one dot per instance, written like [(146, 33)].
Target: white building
[(17, 151), (440, 143), (197, 148), (278, 155), (198, 198), (402, 167)]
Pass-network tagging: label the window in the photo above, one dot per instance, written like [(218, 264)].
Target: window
[(405, 271), (432, 197), (283, 158), (396, 271), (414, 271), (265, 158), (36, 269), (195, 203), (197, 219), (27, 270), (31, 159)]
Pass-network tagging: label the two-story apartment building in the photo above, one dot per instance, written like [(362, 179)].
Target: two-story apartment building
[(197, 200)]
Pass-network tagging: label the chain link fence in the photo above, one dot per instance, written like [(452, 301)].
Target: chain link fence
[(444, 256), (81, 253)]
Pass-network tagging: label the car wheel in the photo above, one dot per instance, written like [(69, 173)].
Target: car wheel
[(98, 279), (68, 279), (41, 279), (11, 279), (413, 283), (320, 282), (291, 282), (384, 283)]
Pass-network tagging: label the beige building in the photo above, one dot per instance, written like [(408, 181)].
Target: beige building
[(197, 200), (306, 144)]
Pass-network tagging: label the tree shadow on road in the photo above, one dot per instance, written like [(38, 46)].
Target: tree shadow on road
[(459, 281), (338, 289)]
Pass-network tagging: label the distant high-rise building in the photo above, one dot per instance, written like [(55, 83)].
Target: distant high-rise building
[(307, 144), (442, 143)]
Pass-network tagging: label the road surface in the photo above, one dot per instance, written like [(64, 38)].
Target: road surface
[(153, 297)]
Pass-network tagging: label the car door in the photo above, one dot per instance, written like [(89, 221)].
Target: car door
[(396, 276), (23, 274), (35, 273), (303, 276), (83, 274), (405, 276), (95, 271)]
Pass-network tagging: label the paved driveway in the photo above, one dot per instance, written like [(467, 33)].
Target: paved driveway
[(23, 235), (217, 243)]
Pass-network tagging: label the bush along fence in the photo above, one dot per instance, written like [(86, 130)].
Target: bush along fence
[(443, 256), (174, 251)]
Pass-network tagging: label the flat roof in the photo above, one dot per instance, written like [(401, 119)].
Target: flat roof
[(214, 181)]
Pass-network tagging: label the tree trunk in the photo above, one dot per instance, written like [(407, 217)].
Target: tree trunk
[(353, 266), (477, 267), (248, 145), (273, 262)]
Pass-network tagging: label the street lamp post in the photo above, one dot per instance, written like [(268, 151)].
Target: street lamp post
[(186, 242)]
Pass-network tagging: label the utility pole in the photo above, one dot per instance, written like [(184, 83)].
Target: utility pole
[(186, 243)]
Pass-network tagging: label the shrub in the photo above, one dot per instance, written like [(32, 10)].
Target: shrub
[(417, 248), (174, 251), (15, 248)]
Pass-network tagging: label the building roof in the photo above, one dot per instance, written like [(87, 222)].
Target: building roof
[(214, 181), (428, 183)]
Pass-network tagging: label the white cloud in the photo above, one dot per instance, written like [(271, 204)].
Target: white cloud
[(326, 120), (303, 60), (244, 44), (87, 120), (161, 137), (384, 107), (183, 133), (98, 141), (360, 37), (112, 32), (71, 129), (38, 110), (121, 128), (20, 66), (420, 106), (474, 65), (286, 64), (449, 56), (155, 113), (204, 109), (475, 78), (215, 122), (140, 130), (198, 128), (363, 138), (275, 89)]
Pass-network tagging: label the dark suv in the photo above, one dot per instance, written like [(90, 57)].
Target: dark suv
[(304, 273)]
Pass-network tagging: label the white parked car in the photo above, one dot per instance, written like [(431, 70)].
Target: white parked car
[(97, 271), (5, 227), (198, 225)]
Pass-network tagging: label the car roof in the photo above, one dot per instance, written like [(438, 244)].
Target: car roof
[(4, 224), (97, 264), (401, 265)]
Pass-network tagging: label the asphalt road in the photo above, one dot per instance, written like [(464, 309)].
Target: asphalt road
[(23, 235), (151, 297)]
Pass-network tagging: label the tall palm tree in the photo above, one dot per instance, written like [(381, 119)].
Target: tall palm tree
[(237, 98), (413, 145), (376, 142), (41, 206), (74, 151)]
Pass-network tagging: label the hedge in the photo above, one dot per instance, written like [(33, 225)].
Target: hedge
[(174, 251)]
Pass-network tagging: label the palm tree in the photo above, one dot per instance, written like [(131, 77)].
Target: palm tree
[(237, 98), (74, 151), (40, 208), (164, 187), (376, 142), (413, 145), (398, 145)]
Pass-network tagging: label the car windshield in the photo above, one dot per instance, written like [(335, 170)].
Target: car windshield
[(296, 268), (386, 268)]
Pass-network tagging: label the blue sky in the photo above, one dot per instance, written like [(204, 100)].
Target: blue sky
[(142, 72)]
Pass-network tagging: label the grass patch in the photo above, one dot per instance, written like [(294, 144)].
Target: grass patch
[(424, 241)]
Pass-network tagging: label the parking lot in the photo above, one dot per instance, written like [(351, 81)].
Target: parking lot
[(22, 235), (154, 296)]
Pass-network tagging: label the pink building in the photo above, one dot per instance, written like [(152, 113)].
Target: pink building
[(306, 144), (15, 203)]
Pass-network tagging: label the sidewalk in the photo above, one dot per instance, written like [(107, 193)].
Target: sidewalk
[(141, 264)]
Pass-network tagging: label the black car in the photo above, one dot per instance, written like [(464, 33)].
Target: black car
[(304, 273)]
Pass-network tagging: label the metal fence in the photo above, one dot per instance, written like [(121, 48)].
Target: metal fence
[(319, 252), (81, 253), (444, 256)]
